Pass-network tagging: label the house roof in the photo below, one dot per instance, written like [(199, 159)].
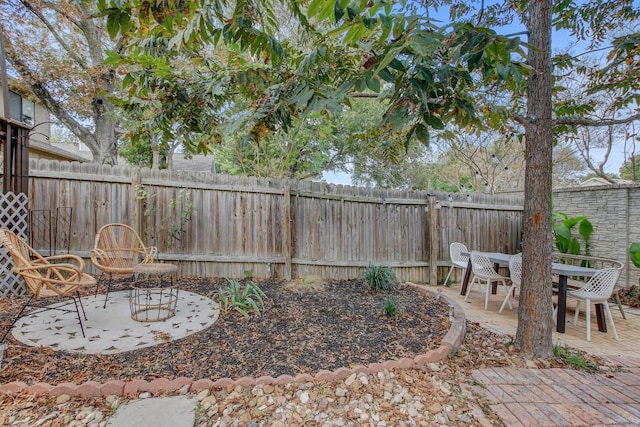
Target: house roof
[(49, 151)]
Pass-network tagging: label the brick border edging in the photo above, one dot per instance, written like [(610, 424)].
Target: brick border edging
[(452, 340)]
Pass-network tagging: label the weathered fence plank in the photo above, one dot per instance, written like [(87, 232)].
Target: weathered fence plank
[(274, 227)]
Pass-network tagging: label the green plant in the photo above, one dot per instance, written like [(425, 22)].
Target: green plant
[(563, 352), (447, 283), (175, 229), (392, 307), (634, 253), (564, 241), (246, 300), (380, 277), (248, 274)]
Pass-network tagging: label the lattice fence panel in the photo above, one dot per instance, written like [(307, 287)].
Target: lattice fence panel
[(14, 216)]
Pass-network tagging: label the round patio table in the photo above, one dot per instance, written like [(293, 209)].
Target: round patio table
[(153, 298)]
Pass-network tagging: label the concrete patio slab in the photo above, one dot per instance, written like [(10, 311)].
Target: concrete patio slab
[(176, 411), (111, 329)]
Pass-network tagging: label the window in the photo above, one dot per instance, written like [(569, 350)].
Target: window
[(21, 109)]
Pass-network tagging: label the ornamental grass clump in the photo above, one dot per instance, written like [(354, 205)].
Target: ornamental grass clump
[(380, 278), (392, 307), (246, 300)]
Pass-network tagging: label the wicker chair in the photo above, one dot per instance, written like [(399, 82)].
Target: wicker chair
[(117, 250), (46, 277)]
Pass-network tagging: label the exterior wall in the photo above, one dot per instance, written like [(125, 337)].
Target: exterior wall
[(612, 210)]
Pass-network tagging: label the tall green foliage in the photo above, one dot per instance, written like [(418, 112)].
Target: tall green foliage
[(634, 253), (564, 241)]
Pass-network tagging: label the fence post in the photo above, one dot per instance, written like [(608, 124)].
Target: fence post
[(286, 230), (433, 242)]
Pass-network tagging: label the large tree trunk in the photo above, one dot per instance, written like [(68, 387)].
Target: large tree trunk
[(533, 336)]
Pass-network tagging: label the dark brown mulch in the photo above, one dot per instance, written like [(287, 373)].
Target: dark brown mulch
[(305, 327), (630, 296)]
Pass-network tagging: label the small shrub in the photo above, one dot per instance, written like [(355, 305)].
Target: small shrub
[(245, 300), (563, 352), (380, 278), (392, 307)]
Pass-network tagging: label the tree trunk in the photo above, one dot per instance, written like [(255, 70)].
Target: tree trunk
[(533, 336), (155, 149)]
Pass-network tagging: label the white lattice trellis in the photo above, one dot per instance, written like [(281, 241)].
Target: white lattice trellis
[(14, 216)]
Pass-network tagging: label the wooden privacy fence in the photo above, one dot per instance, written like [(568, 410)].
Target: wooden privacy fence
[(228, 226)]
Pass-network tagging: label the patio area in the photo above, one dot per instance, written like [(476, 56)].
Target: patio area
[(601, 344), (111, 329)]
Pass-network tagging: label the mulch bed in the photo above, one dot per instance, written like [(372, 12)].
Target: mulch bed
[(305, 327)]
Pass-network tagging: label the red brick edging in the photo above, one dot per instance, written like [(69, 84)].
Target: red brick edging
[(132, 388)]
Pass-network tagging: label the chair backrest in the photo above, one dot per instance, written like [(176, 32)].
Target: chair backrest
[(22, 256), (119, 246), (601, 284), (455, 250), (481, 265), (515, 268)]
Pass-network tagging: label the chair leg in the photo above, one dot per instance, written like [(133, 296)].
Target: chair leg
[(507, 299), (486, 294), (84, 313), (16, 319), (613, 326), (98, 283), (575, 317), (76, 302), (617, 299), (448, 275), (106, 296), (587, 312), (471, 287)]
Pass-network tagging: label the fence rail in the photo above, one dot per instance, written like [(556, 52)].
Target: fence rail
[(219, 225)]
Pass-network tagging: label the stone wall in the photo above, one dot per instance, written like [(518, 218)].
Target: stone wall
[(612, 210)]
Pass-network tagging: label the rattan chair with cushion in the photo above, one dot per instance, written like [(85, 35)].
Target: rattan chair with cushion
[(47, 277), (117, 250)]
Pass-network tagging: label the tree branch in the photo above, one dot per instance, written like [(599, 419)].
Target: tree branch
[(45, 96), (570, 121), (38, 13)]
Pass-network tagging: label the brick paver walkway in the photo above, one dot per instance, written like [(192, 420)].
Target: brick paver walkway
[(563, 397)]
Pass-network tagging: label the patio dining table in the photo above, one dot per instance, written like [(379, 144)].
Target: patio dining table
[(564, 271)]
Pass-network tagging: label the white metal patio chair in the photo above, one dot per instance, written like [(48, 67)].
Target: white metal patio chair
[(482, 268), (515, 274), (597, 290), (457, 259)]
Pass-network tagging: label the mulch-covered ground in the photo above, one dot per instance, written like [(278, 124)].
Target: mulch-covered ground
[(304, 327)]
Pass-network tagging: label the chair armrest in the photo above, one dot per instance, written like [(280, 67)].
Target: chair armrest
[(52, 273), (99, 257), (150, 254), (70, 257)]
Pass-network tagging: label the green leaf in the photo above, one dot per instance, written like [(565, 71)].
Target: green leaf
[(373, 84), (585, 230), (113, 24), (422, 133)]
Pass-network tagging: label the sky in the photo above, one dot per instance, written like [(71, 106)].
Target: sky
[(560, 42)]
